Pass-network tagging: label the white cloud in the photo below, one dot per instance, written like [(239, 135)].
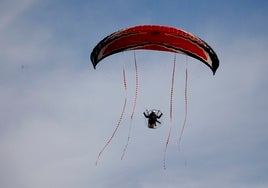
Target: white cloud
[(56, 116), (12, 10)]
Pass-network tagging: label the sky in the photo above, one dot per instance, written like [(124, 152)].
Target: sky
[(57, 112)]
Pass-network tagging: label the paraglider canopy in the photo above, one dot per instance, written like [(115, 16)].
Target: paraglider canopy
[(159, 38), (155, 37)]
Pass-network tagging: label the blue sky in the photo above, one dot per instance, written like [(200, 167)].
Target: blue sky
[(57, 111)]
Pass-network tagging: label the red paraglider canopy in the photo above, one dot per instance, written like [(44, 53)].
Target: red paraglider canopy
[(154, 37)]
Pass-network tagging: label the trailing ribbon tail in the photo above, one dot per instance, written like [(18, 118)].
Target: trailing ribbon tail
[(134, 105), (119, 120), (185, 100), (170, 109)]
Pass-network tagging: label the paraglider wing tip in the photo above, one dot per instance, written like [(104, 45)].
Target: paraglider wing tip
[(93, 63), (214, 71), (93, 58), (215, 66)]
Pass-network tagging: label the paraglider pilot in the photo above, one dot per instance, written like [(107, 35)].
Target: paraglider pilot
[(153, 116)]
